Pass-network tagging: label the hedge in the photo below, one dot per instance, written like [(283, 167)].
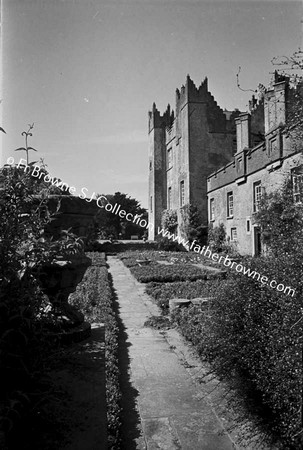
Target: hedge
[(255, 332), (173, 257), (169, 273), (94, 298)]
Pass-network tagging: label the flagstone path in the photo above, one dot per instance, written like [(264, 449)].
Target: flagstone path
[(164, 405)]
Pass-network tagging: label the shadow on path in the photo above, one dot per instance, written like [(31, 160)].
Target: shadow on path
[(131, 424)]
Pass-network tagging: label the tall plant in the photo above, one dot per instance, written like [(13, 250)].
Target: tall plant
[(192, 225)]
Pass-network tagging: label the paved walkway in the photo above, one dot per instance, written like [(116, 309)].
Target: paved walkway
[(166, 409)]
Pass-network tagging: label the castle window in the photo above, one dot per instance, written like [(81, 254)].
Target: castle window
[(212, 209), (151, 204), (150, 165), (169, 158), (182, 193), (257, 193), (230, 204), (169, 198), (233, 234), (297, 186), (248, 226)]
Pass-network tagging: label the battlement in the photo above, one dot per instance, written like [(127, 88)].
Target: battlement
[(279, 101), (248, 161), (218, 120), (191, 93), (156, 120)]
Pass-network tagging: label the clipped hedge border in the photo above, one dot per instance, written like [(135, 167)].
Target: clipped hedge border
[(94, 298), (168, 273), (249, 335)]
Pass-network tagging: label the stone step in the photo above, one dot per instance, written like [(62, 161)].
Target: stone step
[(185, 302)]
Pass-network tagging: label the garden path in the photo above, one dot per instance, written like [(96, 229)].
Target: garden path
[(164, 406)]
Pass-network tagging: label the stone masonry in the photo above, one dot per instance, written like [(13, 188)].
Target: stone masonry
[(265, 156), (184, 148)]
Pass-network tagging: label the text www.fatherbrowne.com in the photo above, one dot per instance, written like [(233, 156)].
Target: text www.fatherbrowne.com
[(102, 202), (227, 262)]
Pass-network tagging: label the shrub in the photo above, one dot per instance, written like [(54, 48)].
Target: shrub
[(170, 273), (169, 220), (192, 224), (98, 259), (23, 346), (168, 245), (281, 221), (255, 332), (194, 324), (94, 298), (217, 237)]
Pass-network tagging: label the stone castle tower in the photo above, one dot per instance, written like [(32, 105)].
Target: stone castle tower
[(184, 149)]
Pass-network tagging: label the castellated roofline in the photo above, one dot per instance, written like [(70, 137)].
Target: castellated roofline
[(157, 120), (190, 92), (186, 94)]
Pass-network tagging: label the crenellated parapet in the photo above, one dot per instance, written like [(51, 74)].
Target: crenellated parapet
[(246, 161), (218, 120), (190, 93), (156, 120)]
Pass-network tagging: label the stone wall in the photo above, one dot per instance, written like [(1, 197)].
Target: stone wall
[(271, 179), (201, 138), (268, 162)]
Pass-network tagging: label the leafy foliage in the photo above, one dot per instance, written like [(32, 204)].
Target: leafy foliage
[(94, 298), (23, 249), (167, 273), (253, 331), (192, 224), (171, 257), (112, 225), (281, 221), (217, 237), (169, 220), (168, 245)]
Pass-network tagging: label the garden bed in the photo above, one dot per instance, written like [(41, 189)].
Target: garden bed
[(94, 298), (171, 257), (177, 272), (163, 292), (250, 334), (167, 273), (250, 340)]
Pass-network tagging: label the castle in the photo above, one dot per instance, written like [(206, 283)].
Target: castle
[(220, 161), (184, 149)]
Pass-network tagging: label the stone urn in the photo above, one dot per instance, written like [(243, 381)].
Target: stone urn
[(59, 279)]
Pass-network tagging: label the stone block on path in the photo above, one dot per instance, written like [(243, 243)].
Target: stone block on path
[(178, 303)]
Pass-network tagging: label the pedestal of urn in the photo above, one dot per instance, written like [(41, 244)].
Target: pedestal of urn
[(59, 279)]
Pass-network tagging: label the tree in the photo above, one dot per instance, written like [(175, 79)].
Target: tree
[(192, 225), (111, 224)]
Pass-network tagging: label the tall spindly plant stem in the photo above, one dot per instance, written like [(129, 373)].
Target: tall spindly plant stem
[(27, 148)]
